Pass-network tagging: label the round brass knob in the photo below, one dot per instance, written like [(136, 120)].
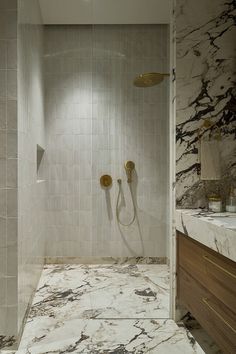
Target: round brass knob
[(106, 181), (129, 165)]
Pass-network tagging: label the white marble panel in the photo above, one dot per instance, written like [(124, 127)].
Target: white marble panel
[(209, 230), (205, 79)]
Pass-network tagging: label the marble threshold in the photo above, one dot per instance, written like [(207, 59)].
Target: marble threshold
[(106, 260)]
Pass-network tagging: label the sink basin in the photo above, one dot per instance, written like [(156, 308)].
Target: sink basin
[(228, 220)]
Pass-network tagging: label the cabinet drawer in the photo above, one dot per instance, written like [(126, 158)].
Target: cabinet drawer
[(213, 271), (212, 314)]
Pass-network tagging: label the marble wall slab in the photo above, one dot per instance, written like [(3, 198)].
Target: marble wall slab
[(206, 77), (172, 152)]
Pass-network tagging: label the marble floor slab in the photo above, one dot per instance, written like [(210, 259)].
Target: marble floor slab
[(107, 336), (104, 309), (103, 291)]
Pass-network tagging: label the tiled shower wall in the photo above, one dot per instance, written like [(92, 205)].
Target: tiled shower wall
[(21, 128), (31, 194), (95, 121), (8, 167)]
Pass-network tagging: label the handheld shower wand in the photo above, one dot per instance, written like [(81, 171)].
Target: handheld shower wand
[(129, 167)]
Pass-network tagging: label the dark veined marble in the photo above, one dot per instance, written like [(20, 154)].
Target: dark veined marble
[(104, 309), (206, 76), (7, 343)]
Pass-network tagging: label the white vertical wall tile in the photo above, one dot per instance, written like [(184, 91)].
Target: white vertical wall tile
[(30, 132), (91, 101), (8, 167)]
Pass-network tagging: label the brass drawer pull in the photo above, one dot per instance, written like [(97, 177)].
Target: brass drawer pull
[(205, 301), (219, 267)]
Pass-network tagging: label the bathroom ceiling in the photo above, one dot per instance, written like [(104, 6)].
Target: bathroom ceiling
[(105, 11)]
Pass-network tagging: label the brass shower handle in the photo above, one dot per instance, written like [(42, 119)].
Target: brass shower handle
[(129, 167), (106, 181)]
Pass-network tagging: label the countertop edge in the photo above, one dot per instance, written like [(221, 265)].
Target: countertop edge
[(206, 231)]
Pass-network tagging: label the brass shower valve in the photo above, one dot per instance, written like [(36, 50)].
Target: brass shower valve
[(106, 181)]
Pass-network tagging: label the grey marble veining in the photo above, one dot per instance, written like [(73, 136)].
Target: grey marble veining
[(106, 260), (101, 309), (103, 291), (110, 336), (7, 343), (206, 229)]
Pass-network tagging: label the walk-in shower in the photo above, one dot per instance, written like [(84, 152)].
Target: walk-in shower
[(69, 93)]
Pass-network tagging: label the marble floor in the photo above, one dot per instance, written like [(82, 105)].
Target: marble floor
[(104, 309)]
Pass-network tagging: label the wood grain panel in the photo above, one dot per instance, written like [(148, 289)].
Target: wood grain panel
[(211, 313), (213, 271)]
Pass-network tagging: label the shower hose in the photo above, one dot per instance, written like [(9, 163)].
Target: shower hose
[(117, 206)]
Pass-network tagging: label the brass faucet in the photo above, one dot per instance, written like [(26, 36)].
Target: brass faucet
[(129, 167)]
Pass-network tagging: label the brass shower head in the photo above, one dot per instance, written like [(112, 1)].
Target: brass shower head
[(149, 79)]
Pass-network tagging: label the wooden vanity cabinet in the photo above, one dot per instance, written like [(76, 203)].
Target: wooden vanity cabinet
[(206, 286)]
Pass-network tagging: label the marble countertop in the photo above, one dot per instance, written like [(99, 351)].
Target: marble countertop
[(214, 230)]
